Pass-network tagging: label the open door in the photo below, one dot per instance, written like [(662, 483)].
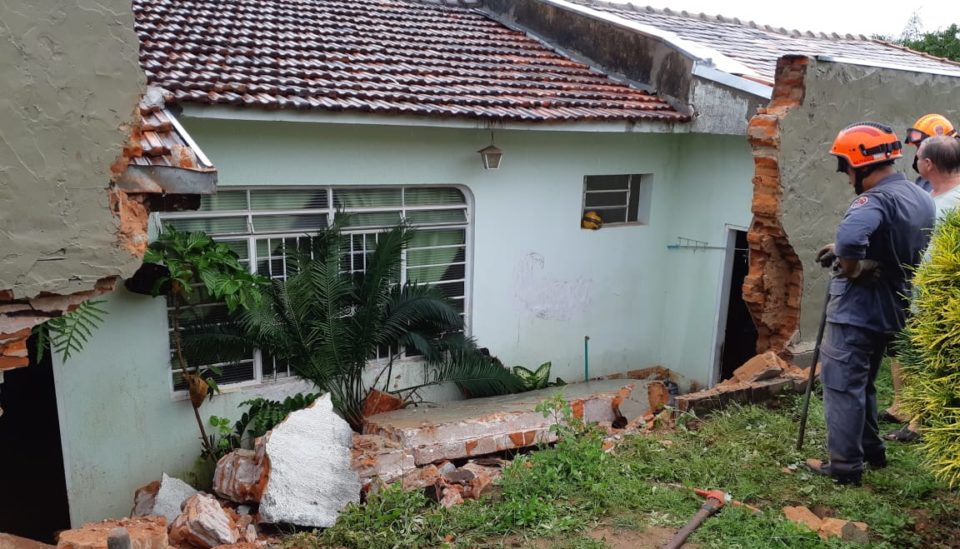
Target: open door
[(739, 335), (32, 480)]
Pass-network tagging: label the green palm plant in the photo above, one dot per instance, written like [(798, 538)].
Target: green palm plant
[(328, 325), (929, 351)]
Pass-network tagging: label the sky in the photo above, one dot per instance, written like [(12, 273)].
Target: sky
[(855, 17)]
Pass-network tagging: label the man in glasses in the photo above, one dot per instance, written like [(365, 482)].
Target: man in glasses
[(928, 125)]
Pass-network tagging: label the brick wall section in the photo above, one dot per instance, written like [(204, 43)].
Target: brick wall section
[(19, 316), (773, 286)]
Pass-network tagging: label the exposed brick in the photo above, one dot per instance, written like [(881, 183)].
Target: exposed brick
[(577, 407), (803, 516), (11, 362), (848, 531)]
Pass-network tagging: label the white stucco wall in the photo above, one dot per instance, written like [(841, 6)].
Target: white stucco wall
[(540, 283)]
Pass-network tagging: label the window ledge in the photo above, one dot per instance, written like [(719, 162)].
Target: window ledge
[(274, 390)]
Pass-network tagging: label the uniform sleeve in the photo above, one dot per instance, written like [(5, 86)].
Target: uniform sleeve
[(861, 220)]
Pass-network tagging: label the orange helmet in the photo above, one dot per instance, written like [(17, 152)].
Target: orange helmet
[(865, 143), (929, 125)]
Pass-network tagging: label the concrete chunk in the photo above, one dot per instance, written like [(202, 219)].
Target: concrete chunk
[(481, 426), (311, 478), (164, 498), (203, 524)]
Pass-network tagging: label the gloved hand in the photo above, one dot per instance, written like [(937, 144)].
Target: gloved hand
[(867, 272), (825, 256)]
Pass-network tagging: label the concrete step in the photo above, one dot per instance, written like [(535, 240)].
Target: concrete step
[(481, 426)]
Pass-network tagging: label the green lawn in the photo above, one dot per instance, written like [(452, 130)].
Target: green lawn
[(561, 497)]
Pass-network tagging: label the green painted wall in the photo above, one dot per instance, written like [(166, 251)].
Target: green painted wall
[(540, 283)]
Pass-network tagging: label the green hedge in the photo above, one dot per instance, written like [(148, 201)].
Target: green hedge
[(930, 351)]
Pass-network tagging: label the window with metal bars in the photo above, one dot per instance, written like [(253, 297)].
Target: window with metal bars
[(264, 225), (618, 199)]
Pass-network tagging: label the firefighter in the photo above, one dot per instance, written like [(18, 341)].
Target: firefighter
[(881, 237), (928, 125)]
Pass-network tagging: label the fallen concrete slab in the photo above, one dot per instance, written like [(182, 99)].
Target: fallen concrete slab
[(481, 426)]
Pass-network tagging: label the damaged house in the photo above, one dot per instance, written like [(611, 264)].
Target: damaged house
[(378, 108)]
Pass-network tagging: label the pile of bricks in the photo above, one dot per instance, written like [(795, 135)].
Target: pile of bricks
[(760, 379)]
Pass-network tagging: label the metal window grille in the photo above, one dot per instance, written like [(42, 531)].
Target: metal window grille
[(263, 225), (618, 199)]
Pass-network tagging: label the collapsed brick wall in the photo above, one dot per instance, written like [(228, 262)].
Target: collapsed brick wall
[(773, 286), (131, 210)]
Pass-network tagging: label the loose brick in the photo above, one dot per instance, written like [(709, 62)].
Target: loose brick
[(804, 517)]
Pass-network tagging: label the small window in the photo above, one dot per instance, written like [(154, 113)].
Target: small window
[(618, 199)]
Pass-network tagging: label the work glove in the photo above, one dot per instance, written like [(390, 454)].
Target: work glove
[(867, 273), (826, 257)]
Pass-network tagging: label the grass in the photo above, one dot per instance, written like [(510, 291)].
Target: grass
[(555, 497)]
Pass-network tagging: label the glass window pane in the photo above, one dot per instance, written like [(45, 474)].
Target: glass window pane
[(306, 223), (432, 256), (213, 227), (224, 200), (370, 219), (288, 199), (366, 198), (436, 217), (433, 196), (435, 274), (616, 198), (634, 206), (612, 215), (606, 182), (438, 237)]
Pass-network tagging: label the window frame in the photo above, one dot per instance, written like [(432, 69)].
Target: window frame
[(252, 237), (644, 192)]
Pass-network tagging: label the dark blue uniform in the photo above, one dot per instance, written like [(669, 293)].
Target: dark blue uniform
[(890, 223), (924, 184)]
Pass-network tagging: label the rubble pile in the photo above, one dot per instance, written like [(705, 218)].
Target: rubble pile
[(760, 379), (312, 465)]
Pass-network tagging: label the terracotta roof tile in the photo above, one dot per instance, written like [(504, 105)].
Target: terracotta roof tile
[(759, 46), (383, 56)]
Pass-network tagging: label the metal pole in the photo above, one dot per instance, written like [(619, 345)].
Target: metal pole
[(586, 358), (813, 369)]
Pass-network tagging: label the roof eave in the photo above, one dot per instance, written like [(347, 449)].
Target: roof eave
[(227, 112), (865, 63), (709, 63)]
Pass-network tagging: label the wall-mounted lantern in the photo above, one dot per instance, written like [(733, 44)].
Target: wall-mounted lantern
[(491, 155)]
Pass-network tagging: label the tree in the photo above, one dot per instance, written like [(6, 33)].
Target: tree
[(328, 325), (197, 267), (941, 43)]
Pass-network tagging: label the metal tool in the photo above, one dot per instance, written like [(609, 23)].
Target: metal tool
[(813, 368), (715, 500)]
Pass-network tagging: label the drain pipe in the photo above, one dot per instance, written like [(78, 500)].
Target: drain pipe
[(586, 358)]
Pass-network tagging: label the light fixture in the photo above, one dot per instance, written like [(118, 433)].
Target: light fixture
[(491, 155)]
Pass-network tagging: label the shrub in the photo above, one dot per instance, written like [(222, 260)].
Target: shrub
[(930, 351)]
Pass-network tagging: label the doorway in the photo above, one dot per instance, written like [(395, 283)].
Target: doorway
[(739, 334), (34, 503)]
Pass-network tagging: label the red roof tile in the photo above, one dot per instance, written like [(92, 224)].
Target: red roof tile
[(381, 56), (159, 141)]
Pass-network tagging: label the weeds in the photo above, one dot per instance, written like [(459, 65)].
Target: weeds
[(553, 497)]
